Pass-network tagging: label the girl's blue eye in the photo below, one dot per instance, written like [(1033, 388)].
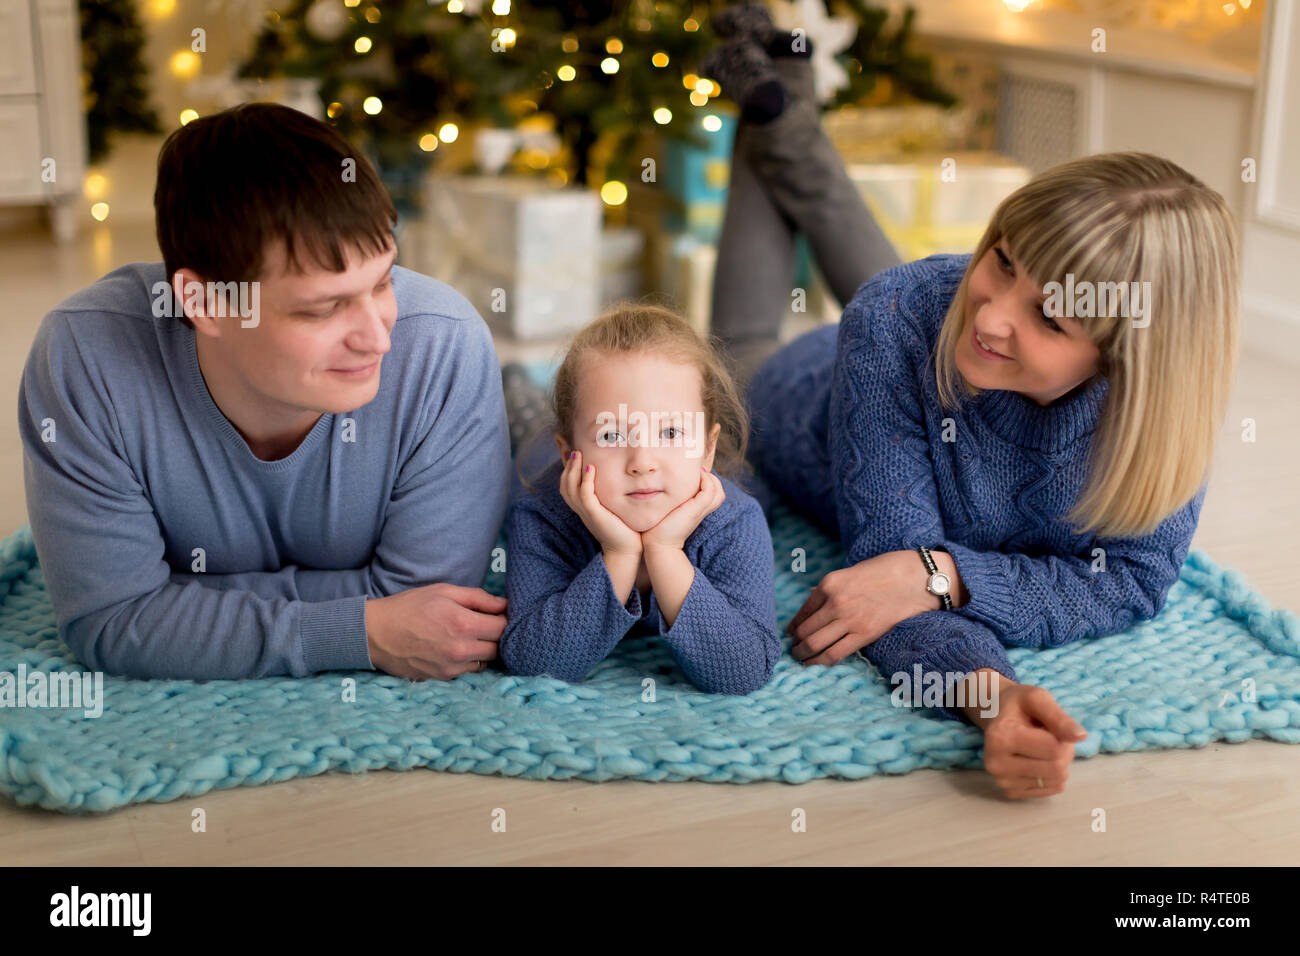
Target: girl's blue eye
[(673, 429), (1051, 323)]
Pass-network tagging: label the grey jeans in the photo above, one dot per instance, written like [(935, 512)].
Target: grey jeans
[(787, 178)]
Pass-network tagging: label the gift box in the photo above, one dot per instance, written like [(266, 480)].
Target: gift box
[(621, 252), (884, 133), (687, 267), (686, 277), (923, 211), (694, 180), (524, 251)]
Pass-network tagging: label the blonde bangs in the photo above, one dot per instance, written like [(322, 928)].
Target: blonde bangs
[(1120, 218)]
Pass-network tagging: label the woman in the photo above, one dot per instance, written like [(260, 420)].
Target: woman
[(1005, 463)]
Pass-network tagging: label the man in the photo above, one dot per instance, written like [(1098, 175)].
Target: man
[(298, 468)]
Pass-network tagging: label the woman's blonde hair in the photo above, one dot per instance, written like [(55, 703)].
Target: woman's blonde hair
[(1118, 218), (641, 327)]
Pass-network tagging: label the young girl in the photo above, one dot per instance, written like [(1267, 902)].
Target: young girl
[(631, 530), (1012, 452)]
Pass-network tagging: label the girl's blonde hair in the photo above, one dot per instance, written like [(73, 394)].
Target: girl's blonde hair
[(1116, 218), (640, 327)]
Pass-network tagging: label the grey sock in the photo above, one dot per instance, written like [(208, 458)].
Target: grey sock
[(805, 177), (747, 78), (744, 19), (527, 408)]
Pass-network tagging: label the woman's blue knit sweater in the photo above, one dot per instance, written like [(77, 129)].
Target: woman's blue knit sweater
[(847, 426)]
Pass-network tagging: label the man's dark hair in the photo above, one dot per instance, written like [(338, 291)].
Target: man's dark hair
[(230, 183)]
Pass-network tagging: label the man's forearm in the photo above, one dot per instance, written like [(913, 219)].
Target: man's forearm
[(290, 582)]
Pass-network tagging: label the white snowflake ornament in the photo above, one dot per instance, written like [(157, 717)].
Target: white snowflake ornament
[(829, 35)]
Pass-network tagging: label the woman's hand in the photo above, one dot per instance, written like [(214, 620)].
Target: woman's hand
[(1031, 739), (578, 488), (854, 606), (675, 527)]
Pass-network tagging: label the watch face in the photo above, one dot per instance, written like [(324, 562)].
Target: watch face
[(940, 584)]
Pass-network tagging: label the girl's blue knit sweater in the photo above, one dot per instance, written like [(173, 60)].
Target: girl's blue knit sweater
[(564, 617), (847, 425)]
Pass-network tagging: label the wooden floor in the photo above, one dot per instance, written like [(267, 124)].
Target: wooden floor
[(1225, 804)]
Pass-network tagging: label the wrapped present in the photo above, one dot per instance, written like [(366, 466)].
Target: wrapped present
[(878, 133), (687, 268), (621, 252), (524, 251), (686, 277), (924, 210), (871, 133), (694, 180)]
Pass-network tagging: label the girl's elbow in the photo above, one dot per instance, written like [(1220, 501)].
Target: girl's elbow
[(534, 668), (759, 680), (753, 679), (519, 663)]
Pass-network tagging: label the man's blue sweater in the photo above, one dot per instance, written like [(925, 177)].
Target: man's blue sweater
[(564, 617), (847, 425), (131, 468)]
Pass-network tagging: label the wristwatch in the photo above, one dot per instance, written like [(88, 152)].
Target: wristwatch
[(939, 584)]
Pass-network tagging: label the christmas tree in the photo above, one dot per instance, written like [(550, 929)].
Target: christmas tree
[(876, 53), (601, 72), (113, 75)]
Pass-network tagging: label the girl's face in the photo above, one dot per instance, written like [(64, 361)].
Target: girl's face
[(1040, 357), (632, 453)]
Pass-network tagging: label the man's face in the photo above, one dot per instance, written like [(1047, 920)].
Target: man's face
[(320, 337)]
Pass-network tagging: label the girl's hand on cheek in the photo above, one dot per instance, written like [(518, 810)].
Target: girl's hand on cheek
[(676, 526), (578, 488)]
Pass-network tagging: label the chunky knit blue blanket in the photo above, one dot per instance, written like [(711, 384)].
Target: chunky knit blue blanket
[(1215, 664)]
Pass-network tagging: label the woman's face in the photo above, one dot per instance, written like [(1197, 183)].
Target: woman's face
[(663, 457), (1010, 343)]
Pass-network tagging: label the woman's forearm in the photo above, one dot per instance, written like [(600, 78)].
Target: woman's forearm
[(977, 712), (943, 560), (911, 578)]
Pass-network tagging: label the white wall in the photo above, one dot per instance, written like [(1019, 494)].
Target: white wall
[(1271, 235)]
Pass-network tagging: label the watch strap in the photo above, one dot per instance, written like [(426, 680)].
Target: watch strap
[(933, 569)]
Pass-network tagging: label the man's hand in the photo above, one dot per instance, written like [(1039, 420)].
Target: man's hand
[(854, 606), (439, 631)]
